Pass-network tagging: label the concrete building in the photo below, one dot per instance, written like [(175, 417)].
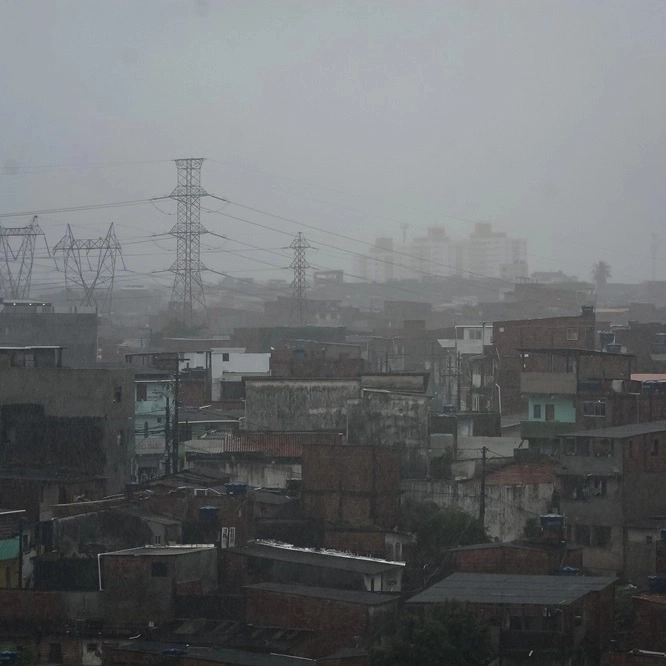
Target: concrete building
[(513, 494), (33, 324), (552, 332), (57, 419), (141, 584), (270, 562), (552, 620), (610, 479), (337, 618), (352, 484), (298, 405), (574, 389)]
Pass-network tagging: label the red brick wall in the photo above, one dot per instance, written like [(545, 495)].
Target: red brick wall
[(42, 608), (503, 560), (649, 625), (508, 336), (345, 483), (334, 623)]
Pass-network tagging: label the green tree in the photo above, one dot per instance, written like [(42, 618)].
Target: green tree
[(437, 529), (451, 634), (601, 271)]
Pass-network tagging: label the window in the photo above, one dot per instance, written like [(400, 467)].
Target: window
[(141, 392), (582, 535), (158, 570), (536, 412), (582, 446), (232, 537), (654, 449), (594, 408), (55, 653), (598, 487), (117, 393), (601, 536), (603, 447), (550, 412), (157, 539), (225, 356), (572, 334)]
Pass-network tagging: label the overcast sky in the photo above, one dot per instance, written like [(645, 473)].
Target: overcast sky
[(546, 119)]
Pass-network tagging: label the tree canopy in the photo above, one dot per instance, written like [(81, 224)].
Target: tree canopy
[(450, 633), (601, 271)]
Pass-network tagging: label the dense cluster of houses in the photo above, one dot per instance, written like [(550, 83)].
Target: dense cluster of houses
[(238, 500)]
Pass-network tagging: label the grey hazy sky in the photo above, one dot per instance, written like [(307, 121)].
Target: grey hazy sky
[(547, 119)]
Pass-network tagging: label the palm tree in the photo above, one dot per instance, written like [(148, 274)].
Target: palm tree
[(601, 271)]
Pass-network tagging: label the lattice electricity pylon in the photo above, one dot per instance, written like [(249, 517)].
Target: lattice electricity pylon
[(16, 264), (90, 267), (299, 286), (188, 301)]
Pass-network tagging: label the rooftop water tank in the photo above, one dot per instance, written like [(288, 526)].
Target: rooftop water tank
[(208, 514), (236, 488)]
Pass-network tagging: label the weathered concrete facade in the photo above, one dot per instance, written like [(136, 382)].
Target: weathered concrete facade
[(78, 420), (299, 405), (395, 420), (35, 325), (611, 478)]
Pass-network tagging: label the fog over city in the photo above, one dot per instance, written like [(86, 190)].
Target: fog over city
[(544, 119)]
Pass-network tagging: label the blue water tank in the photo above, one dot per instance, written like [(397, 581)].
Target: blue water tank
[(208, 514), (236, 488), (606, 338), (657, 584), (551, 522), (568, 571)]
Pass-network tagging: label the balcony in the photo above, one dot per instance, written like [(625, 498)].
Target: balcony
[(544, 429), (555, 383)]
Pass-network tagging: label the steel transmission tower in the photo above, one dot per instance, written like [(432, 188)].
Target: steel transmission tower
[(187, 298), (299, 286), (16, 264), (90, 267)]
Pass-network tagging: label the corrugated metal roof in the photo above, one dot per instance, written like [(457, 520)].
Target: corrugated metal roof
[(620, 432), (512, 589), (9, 549), (326, 559), (349, 596), (518, 474)]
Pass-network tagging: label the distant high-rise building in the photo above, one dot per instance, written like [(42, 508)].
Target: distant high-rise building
[(486, 253)]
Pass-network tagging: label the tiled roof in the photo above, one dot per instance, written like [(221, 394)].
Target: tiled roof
[(518, 474)]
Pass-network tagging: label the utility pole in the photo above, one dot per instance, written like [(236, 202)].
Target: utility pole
[(299, 285), (187, 297), (167, 438), (176, 433), (90, 266), (16, 263), (482, 497)]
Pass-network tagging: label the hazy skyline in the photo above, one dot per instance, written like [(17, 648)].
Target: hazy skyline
[(544, 118)]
